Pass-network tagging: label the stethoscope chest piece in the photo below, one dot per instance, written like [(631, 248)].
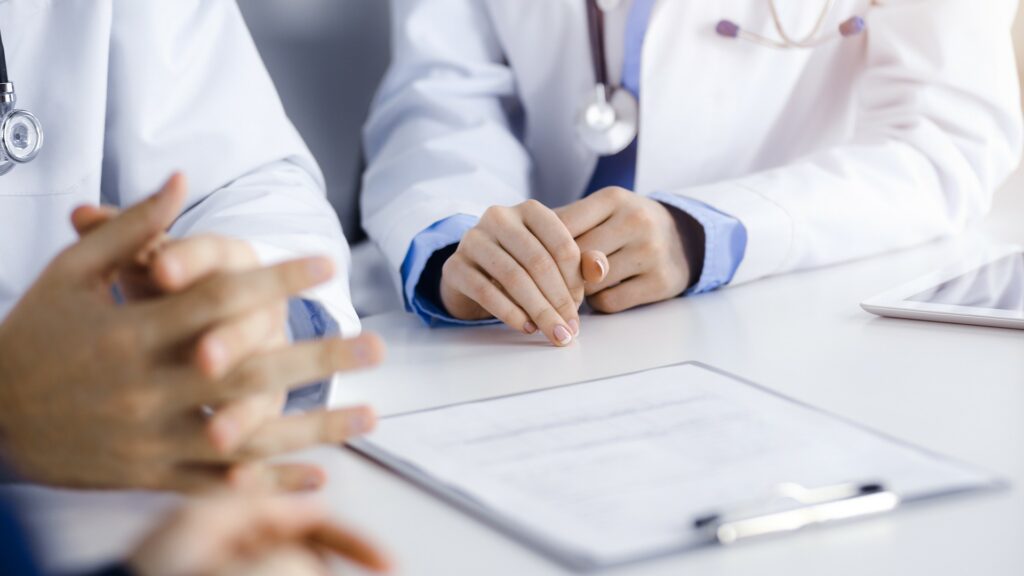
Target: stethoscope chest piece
[(608, 125), (21, 133)]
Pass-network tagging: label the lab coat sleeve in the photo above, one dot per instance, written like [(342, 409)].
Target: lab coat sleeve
[(441, 235), (439, 140), (188, 92), (938, 129)]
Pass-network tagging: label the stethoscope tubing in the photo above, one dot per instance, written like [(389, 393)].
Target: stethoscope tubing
[(599, 56), (816, 37), (811, 39)]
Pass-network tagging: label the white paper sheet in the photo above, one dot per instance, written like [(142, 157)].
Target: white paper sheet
[(613, 470)]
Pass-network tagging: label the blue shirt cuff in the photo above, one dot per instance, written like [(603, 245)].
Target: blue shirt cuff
[(441, 234), (309, 320), (725, 241)]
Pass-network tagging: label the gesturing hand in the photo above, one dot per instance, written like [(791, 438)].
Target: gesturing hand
[(520, 264), (648, 249), (250, 534), (98, 395)]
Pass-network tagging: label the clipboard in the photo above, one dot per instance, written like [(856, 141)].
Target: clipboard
[(706, 458)]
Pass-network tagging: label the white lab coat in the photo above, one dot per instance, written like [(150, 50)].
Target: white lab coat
[(129, 91), (859, 147)]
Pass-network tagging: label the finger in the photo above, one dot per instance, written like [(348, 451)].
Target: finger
[(520, 287), (87, 218), (479, 288), (630, 294), (564, 294), (185, 315), (544, 228), (261, 477), (594, 266), (254, 521), (590, 212), (223, 347), (187, 261), (293, 559), (123, 237), (300, 364), (624, 264), (610, 237), (293, 433), (234, 421), (347, 544), (196, 478), (279, 520), (248, 477)]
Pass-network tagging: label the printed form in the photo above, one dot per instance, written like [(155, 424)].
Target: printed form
[(614, 470)]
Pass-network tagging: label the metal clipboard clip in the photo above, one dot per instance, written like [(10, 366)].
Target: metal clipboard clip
[(814, 506)]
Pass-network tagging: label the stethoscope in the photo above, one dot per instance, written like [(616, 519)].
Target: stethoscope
[(850, 27), (608, 122), (21, 133)]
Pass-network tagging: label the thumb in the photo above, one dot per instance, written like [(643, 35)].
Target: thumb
[(595, 267), (125, 235)]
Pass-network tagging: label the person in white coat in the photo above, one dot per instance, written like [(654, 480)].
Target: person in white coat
[(180, 384), (770, 139)]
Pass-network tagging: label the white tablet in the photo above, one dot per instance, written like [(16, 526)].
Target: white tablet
[(987, 291)]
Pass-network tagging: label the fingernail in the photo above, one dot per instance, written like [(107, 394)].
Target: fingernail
[(215, 354), (319, 269), (172, 269), (529, 327), (574, 325), (224, 432), (361, 421), (364, 352), (601, 267), (312, 481), (243, 476), (562, 335)]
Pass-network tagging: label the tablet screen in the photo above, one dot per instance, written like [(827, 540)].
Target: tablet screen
[(998, 285)]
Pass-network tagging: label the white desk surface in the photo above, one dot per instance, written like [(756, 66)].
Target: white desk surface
[(958, 390)]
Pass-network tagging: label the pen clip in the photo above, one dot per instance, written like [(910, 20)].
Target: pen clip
[(816, 506)]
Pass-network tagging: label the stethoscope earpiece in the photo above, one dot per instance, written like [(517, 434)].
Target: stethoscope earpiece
[(853, 26), (727, 29), (850, 27)]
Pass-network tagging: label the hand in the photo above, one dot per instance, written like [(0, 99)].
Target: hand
[(247, 534), (167, 266), (649, 257), (98, 395), (520, 264)]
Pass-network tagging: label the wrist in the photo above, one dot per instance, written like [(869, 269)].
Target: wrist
[(692, 238), (429, 285)]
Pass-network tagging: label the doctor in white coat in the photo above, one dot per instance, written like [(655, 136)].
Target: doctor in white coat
[(103, 395), (770, 139)]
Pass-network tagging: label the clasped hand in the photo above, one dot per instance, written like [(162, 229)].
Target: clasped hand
[(96, 394), (531, 267)]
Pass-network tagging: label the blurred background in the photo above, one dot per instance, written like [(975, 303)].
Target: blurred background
[(327, 57)]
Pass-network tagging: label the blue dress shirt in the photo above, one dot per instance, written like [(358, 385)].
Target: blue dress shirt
[(309, 320), (725, 238)]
